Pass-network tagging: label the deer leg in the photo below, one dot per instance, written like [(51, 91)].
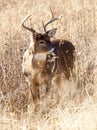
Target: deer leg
[(59, 84), (35, 93), (48, 85)]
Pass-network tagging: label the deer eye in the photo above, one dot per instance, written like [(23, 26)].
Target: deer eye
[(42, 42)]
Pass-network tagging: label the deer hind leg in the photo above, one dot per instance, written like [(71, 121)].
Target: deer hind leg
[(59, 83)]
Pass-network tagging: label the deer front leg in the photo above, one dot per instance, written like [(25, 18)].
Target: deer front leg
[(34, 88), (47, 82)]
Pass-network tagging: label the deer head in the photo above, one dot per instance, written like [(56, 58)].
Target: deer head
[(42, 41)]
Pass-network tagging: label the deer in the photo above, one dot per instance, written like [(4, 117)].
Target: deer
[(46, 61)]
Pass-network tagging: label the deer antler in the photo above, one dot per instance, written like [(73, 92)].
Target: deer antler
[(50, 21), (23, 22)]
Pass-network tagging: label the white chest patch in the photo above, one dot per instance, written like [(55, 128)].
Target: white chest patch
[(39, 60), (40, 57)]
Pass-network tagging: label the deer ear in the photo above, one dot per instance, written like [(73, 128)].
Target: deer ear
[(52, 32)]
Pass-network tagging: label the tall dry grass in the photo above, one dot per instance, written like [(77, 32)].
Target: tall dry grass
[(78, 107)]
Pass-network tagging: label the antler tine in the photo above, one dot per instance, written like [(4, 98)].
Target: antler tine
[(50, 21), (53, 17), (23, 22)]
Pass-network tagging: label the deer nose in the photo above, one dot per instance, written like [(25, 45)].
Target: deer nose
[(42, 42)]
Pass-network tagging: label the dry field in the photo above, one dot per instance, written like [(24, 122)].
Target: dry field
[(78, 108)]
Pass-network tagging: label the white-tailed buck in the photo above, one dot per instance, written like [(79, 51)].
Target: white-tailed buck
[(46, 61)]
